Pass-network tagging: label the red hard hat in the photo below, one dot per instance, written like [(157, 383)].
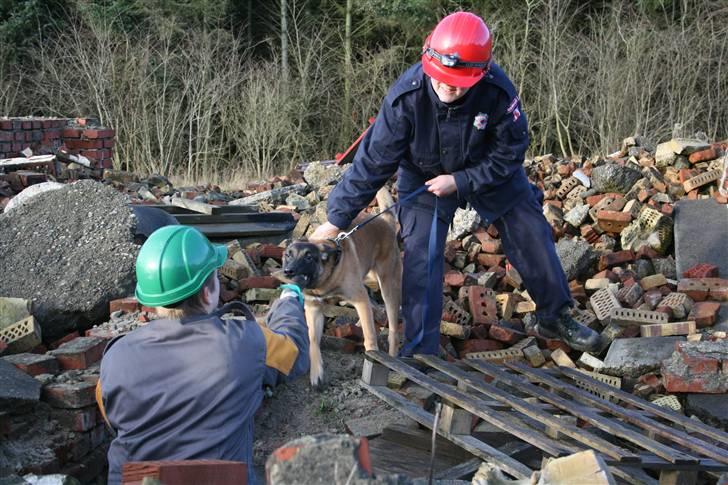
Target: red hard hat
[(458, 51)]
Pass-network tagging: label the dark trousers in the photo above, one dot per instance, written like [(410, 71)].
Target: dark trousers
[(527, 242)]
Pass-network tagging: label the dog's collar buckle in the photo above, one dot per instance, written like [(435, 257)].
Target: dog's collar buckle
[(337, 242)]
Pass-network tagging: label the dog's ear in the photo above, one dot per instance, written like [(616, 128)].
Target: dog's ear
[(328, 253)]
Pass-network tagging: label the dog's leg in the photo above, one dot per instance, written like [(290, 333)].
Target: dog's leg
[(315, 321), (363, 308), (391, 286)]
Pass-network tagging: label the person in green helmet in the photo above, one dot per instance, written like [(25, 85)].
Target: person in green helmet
[(187, 386)]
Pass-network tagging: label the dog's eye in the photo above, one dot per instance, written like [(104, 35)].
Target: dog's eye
[(309, 257)]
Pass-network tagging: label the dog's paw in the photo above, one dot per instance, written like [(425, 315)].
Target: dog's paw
[(317, 379)]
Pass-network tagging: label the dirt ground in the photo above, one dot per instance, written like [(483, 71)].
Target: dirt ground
[(296, 410)]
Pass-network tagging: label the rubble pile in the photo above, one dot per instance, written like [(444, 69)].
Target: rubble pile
[(70, 251)]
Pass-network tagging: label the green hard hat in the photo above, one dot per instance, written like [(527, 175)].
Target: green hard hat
[(174, 263)]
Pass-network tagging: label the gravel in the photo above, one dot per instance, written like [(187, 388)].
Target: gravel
[(71, 251)]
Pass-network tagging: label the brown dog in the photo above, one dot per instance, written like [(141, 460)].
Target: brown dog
[(324, 270)]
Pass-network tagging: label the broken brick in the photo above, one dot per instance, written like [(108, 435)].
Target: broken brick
[(258, 282), (696, 367), (489, 260), (34, 364), (615, 259), (705, 313), (79, 420), (483, 305), (706, 155), (128, 305), (702, 270), (454, 278), (506, 335), (80, 353), (479, 345), (350, 331), (70, 395)]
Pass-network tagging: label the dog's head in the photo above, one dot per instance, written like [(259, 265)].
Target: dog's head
[(304, 262)]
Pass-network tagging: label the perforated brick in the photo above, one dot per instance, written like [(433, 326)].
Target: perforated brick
[(615, 382), (575, 193), (21, 336), (679, 303), (585, 317), (483, 305), (603, 302), (628, 316), (567, 186), (700, 180), (497, 356), (669, 401), (454, 313)]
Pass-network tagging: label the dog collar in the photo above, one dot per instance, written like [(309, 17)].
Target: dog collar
[(337, 254)]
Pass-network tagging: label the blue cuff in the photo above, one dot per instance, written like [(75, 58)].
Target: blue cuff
[(295, 289)]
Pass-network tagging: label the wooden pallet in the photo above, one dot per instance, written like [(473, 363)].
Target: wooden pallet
[(632, 435)]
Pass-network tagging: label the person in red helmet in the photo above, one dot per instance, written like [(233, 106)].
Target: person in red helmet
[(454, 123)]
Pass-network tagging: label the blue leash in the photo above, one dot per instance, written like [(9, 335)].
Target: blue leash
[(430, 295)]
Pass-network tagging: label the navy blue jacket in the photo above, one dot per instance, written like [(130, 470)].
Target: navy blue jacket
[(481, 140)]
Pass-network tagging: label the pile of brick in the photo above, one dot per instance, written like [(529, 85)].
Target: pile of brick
[(28, 149), (49, 422)]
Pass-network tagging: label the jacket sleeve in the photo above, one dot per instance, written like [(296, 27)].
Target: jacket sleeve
[(286, 342), (375, 162), (505, 151)]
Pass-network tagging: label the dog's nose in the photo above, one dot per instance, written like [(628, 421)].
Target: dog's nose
[(288, 272)]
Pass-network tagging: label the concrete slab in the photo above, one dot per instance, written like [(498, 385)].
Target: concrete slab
[(711, 408), (700, 237), (632, 357), (16, 387), (700, 234)]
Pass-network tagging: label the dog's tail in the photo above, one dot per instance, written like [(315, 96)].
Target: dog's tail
[(385, 201)]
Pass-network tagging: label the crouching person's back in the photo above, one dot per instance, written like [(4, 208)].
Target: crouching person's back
[(187, 386)]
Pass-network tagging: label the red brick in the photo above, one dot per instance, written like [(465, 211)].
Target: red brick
[(109, 143), (101, 332), (479, 345), (615, 259), (71, 133), (454, 278), (506, 335), (269, 251), (480, 331), (704, 313), (6, 125), (483, 305), (489, 260), (227, 295), (63, 340), (613, 221), (78, 420), (349, 331), (705, 155), (128, 305), (702, 270), (98, 133), (593, 200), (258, 282), (70, 395), (695, 288), (80, 353), (34, 364), (84, 144), (492, 246)]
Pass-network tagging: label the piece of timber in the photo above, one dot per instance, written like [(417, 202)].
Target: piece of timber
[(467, 442), (580, 435), (234, 217), (506, 422), (458, 471), (687, 423), (589, 415), (244, 229), (193, 205), (647, 423), (218, 209)]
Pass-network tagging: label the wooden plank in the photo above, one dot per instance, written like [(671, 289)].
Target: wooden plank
[(193, 205), (586, 414), (219, 209), (469, 443), (647, 423), (458, 471), (422, 440), (388, 457), (246, 229), (188, 219), (506, 422), (580, 435), (687, 423)]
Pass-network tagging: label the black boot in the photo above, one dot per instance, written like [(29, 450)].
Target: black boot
[(576, 335)]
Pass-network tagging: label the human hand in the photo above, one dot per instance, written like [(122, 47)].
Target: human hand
[(325, 231), (442, 185)]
